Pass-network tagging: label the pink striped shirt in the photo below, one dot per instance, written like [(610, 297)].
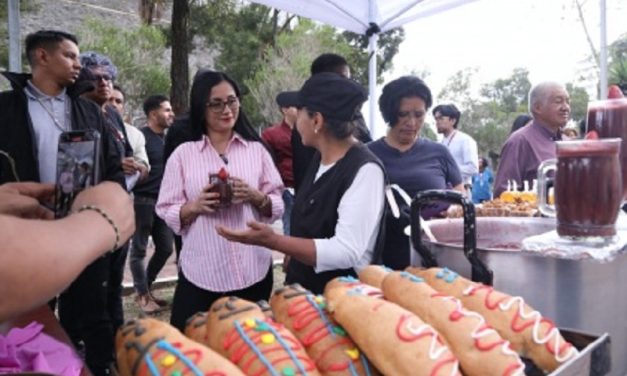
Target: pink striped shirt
[(208, 260)]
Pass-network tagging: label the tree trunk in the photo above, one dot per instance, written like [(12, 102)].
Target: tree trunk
[(179, 70)]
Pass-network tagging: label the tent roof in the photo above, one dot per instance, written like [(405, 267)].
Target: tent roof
[(354, 15)]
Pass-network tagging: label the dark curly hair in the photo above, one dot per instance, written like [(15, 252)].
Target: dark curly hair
[(204, 81), (395, 91)]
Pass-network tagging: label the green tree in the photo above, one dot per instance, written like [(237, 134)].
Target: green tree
[(138, 53), (511, 93), (618, 63), (286, 67), (388, 46), (578, 102), (247, 35)]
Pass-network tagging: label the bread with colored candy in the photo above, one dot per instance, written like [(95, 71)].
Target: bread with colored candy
[(395, 340), (479, 348), (152, 347), (531, 335), (241, 332), (337, 288), (304, 314), (373, 275)]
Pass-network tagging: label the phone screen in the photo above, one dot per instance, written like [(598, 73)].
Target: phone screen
[(77, 167)]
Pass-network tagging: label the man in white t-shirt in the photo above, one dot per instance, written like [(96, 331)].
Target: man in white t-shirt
[(135, 136), (462, 146)]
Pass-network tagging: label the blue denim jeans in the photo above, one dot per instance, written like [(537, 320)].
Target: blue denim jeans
[(288, 202), (147, 224)]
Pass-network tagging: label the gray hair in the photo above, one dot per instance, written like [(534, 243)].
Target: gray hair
[(91, 59), (539, 91)]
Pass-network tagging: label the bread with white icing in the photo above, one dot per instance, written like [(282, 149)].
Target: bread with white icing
[(479, 348), (395, 340), (531, 335)]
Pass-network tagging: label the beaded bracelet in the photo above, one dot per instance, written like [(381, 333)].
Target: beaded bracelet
[(108, 218)]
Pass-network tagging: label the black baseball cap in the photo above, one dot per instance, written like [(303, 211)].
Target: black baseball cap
[(333, 95), (287, 99)]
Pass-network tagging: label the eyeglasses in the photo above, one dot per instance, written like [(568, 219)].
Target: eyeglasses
[(406, 115), (218, 106), (98, 77)]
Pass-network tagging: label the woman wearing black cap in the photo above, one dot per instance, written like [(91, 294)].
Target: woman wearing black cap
[(336, 215)]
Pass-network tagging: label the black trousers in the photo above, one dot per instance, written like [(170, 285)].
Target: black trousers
[(90, 309), (190, 299)]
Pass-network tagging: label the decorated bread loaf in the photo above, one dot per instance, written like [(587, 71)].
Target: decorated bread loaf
[(325, 341), (530, 334), (337, 288), (479, 348), (241, 332), (394, 339), (151, 347), (373, 275), (196, 327)]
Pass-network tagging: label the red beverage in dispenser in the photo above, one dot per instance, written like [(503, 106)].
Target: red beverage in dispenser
[(608, 118)]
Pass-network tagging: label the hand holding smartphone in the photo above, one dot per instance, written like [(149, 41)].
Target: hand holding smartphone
[(77, 167)]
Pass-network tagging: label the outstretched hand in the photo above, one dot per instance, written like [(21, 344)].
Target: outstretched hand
[(257, 233)]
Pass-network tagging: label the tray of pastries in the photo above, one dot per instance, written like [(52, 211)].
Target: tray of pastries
[(415, 322)]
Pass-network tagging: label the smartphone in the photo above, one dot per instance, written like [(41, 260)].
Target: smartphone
[(77, 167)]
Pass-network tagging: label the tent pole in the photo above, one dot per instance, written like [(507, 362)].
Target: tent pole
[(372, 81), (372, 67), (603, 51)]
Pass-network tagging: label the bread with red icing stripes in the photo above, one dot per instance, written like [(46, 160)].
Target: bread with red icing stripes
[(241, 332), (304, 314), (395, 340), (479, 348), (531, 335), (152, 347)]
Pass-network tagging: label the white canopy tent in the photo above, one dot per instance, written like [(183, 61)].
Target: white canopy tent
[(370, 17), (367, 17)]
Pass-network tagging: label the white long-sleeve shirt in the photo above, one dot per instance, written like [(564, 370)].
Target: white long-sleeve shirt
[(464, 151), (357, 226)]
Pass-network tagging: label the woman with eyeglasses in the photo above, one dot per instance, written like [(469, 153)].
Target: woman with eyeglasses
[(223, 143), (411, 162)]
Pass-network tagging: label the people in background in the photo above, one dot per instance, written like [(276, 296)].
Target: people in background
[(482, 182), (525, 149), (278, 138), (462, 146), (159, 117), (413, 163), (136, 139), (520, 121)]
